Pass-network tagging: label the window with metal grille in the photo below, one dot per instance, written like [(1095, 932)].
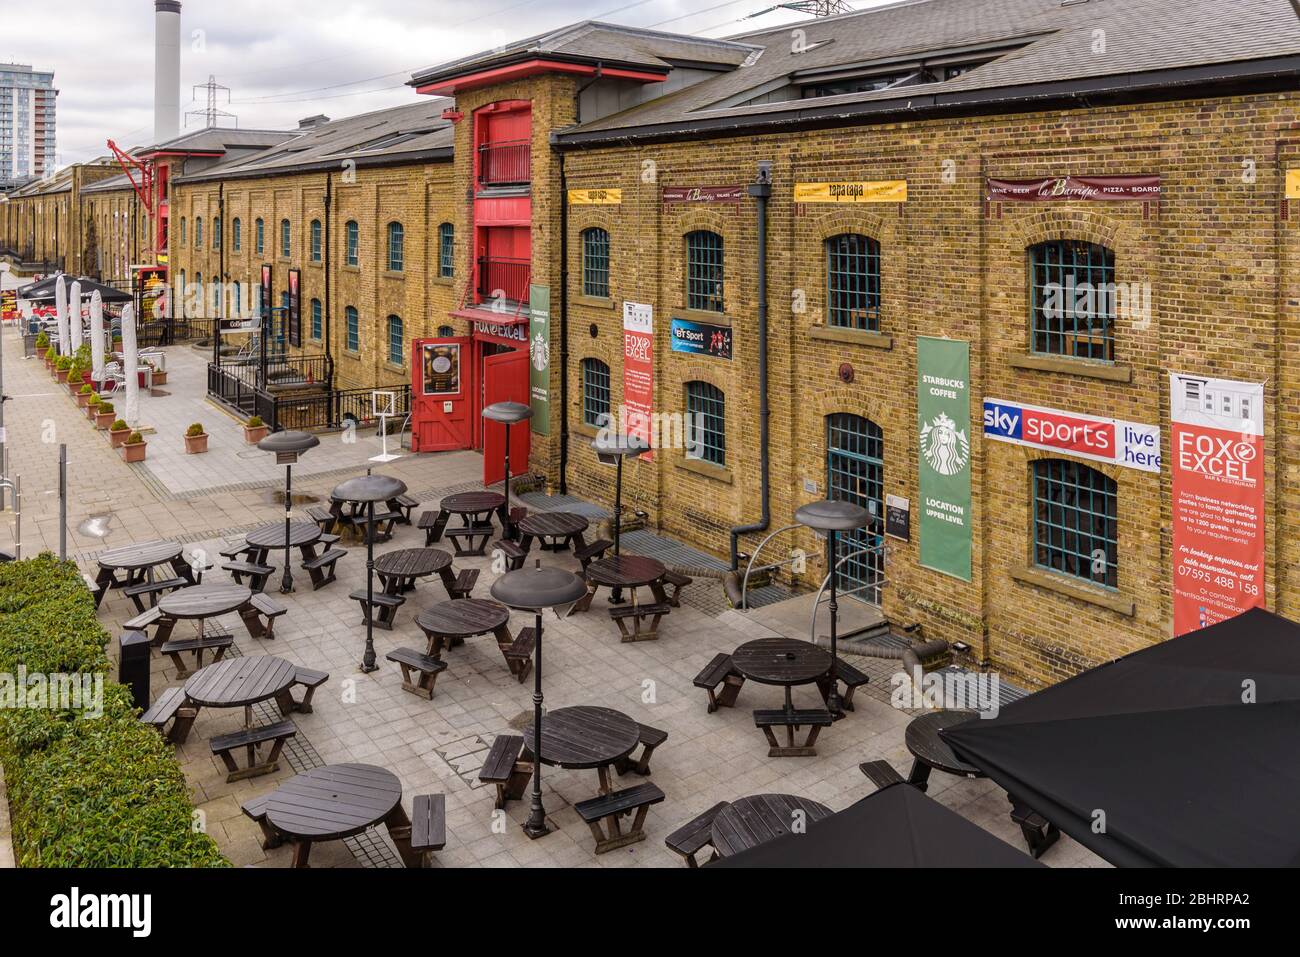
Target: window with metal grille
[(595, 263), (198, 232), (446, 332), (259, 228), (446, 250), (316, 319), (353, 252), (237, 234), (704, 271), (216, 232), (183, 230), (396, 350), (235, 299), (853, 282), (595, 392), (199, 301), (706, 411), (396, 240), (315, 240), (855, 472), (1072, 299), (1074, 521), (286, 238), (353, 322)]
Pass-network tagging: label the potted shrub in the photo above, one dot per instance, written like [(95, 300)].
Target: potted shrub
[(50, 356), (105, 415), (73, 381), (83, 396), (133, 448), (118, 433), (159, 375), (196, 440), (255, 430), (43, 347), (61, 366)]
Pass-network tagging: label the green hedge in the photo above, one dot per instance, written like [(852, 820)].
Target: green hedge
[(84, 792)]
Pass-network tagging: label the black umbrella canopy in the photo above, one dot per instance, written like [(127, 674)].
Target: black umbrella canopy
[(1184, 754), (534, 588), (832, 516), (290, 441), (44, 290), (369, 488), (508, 412), (895, 827), (612, 444)]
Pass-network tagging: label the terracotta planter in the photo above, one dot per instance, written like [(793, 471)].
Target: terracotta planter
[(91, 412), (253, 436), (159, 378), (82, 399), (61, 375), (118, 438), (194, 444), (133, 453), (104, 419)]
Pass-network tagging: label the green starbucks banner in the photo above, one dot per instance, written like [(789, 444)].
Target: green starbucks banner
[(539, 357), (943, 420)]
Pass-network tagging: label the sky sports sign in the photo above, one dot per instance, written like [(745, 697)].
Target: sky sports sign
[(1113, 441)]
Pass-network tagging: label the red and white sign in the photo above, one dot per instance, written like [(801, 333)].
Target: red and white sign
[(1116, 442), (638, 371), (1217, 447)]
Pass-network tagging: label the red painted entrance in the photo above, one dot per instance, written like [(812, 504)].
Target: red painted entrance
[(443, 389), (505, 379)]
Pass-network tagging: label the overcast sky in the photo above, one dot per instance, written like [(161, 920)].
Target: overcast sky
[(287, 59)]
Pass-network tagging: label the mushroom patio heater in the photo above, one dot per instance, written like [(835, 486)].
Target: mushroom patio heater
[(535, 589), (612, 449), (832, 517), (508, 414), (369, 489), (287, 446)]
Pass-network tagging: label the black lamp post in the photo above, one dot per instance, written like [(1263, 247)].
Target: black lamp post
[(287, 446), (369, 489), (508, 413), (832, 518), (612, 449), (534, 589)]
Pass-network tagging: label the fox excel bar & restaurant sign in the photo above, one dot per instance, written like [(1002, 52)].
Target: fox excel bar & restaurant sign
[(943, 413), (1112, 441), (878, 191)]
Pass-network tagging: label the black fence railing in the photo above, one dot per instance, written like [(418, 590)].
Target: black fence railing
[(501, 278), (234, 385), (242, 398), (282, 371), (507, 163)]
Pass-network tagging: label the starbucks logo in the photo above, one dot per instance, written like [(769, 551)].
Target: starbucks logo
[(540, 352), (946, 450)]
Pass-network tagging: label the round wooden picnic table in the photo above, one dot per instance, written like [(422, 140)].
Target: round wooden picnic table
[(931, 752), (140, 557), (557, 530), (240, 683), (201, 602), (781, 661), (334, 802), (451, 622), (585, 737), (752, 821), (625, 571), (473, 503), (399, 569), (271, 535)]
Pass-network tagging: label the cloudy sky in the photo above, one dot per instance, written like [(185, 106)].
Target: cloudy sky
[(286, 59)]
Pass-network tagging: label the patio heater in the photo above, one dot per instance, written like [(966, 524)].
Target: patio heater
[(369, 489), (287, 446), (535, 589), (832, 517), (612, 449), (508, 414)]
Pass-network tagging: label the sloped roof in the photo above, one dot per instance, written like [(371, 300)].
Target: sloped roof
[(217, 139)]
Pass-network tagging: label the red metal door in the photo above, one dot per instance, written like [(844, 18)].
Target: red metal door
[(442, 392), (505, 380)]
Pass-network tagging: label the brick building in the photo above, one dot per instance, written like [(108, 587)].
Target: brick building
[(893, 155)]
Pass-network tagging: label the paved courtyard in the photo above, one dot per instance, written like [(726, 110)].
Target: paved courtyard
[(439, 745)]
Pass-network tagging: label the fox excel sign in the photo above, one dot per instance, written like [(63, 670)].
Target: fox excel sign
[(1113, 441)]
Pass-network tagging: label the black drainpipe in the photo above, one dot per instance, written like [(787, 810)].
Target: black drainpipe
[(761, 190), (221, 268), (329, 354), (564, 330)]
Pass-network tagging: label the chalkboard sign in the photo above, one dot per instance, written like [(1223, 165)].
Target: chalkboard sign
[(898, 513)]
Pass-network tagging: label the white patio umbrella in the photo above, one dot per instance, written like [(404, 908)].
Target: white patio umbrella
[(74, 317), (61, 315), (130, 363), (97, 337)]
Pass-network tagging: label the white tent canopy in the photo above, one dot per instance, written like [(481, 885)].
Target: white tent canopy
[(74, 317), (97, 338), (61, 315), (130, 365)]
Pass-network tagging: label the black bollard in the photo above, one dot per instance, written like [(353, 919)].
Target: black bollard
[(133, 666)]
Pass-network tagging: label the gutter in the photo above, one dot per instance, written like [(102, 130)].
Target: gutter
[(564, 328), (329, 214)]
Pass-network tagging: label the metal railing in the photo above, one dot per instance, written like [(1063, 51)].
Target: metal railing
[(242, 397), (502, 278), (507, 163), (335, 408)]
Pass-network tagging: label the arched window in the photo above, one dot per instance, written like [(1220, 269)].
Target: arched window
[(315, 241), (316, 321), (396, 347), (706, 423), (1075, 524), (286, 238), (446, 332), (595, 262), (198, 295), (216, 298), (446, 250), (236, 235), (183, 231), (855, 472), (396, 241), (353, 251), (198, 232), (181, 293), (704, 271), (352, 321), (237, 305), (259, 228), (1072, 299), (853, 282), (216, 232), (595, 392)]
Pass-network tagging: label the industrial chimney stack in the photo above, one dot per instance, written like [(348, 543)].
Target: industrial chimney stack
[(166, 70)]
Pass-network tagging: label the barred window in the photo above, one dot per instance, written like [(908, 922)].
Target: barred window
[(316, 323), (595, 392), (353, 323), (1072, 299), (216, 232), (199, 302), (446, 332), (595, 262), (236, 300), (286, 238), (704, 271), (353, 251), (853, 282), (183, 230), (259, 228), (706, 409), (396, 351), (237, 234), (446, 250), (396, 241), (315, 240), (1074, 521), (198, 232)]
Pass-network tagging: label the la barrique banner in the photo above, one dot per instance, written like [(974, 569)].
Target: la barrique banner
[(1068, 188), (1217, 447), (943, 413)]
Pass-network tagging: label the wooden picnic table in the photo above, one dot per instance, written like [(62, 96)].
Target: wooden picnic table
[(200, 602), (139, 562), (338, 801), (399, 569), (930, 752), (475, 511), (785, 662), (752, 821), (270, 537), (240, 683), (585, 737), (556, 530), (449, 623)]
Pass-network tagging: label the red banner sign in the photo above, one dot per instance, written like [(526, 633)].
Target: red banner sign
[(1217, 451), (638, 371), (673, 195), (1075, 189)]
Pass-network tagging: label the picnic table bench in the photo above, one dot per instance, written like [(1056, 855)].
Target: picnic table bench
[(475, 510), (138, 561), (504, 768), (252, 739), (171, 706), (217, 642), (379, 605), (720, 671), (242, 683), (428, 826), (695, 835), (260, 613), (786, 663), (198, 603), (608, 808), (309, 680), (426, 668), (649, 738), (847, 675), (448, 623)]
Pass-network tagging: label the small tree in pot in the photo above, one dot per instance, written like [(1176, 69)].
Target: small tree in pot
[(118, 433), (133, 448), (255, 430), (196, 440), (83, 396), (92, 405), (105, 415), (43, 347), (61, 366)]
